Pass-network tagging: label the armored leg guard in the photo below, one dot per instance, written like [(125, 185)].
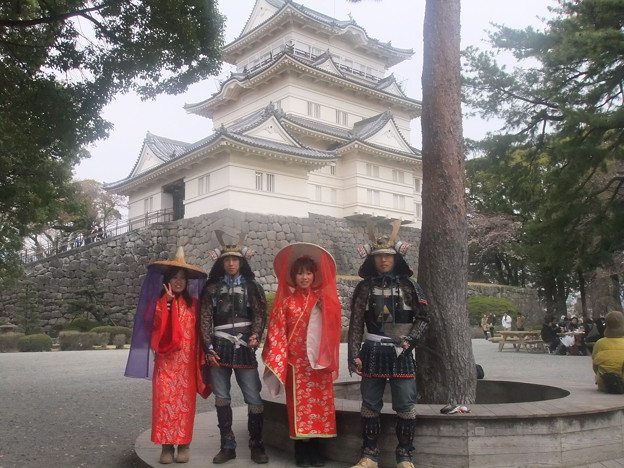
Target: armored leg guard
[(405, 430), (255, 422), (371, 427), (228, 442)]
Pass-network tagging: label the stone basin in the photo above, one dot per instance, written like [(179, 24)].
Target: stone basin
[(511, 424)]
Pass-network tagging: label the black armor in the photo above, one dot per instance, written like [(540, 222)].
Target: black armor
[(238, 311)]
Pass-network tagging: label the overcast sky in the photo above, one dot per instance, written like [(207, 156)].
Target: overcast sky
[(398, 21)]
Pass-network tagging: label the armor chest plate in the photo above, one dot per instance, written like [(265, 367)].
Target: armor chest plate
[(232, 303), (387, 305)]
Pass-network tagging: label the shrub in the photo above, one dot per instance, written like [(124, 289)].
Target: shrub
[(119, 341), (8, 341), (113, 331), (270, 297), (70, 340), (81, 324), (32, 343), (480, 305)]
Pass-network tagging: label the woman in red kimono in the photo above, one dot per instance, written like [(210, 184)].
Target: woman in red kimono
[(302, 345), (169, 323)]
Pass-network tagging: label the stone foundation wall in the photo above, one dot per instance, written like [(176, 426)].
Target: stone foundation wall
[(121, 261)]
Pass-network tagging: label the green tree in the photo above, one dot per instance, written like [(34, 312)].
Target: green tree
[(557, 168), (61, 63), (85, 216), (88, 301)]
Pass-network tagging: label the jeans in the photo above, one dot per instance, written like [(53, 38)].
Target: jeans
[(248, 381), (403, 393)]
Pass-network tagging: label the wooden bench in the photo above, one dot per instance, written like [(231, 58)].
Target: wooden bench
[(498, 339), (535, 346)]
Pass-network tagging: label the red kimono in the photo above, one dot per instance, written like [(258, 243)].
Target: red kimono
[(295, 359), (177, 376)]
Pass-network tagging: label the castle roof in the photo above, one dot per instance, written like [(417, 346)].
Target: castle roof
[(238, 82), (270, 133), (269, 15)]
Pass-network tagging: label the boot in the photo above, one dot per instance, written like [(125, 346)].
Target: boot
[(365, 463), (302, 453), (405, 430), (184, 453), (228, 443), (314, 452), (255, 422), (166, 456)]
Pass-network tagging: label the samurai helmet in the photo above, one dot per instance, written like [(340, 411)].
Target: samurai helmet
[(235, 250), (383, 244)]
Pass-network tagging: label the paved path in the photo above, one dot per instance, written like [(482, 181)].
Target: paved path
[(75, 408)]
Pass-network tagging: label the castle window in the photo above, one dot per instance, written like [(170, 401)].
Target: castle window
[(314, 110), (270, 183), (418, 210), (203, 184), (148, 205), (332, 169), (398, 202), (372, 170), (372, 196), (417, 185), (265, 182), (318, 193), (342, 118), (398, 176)]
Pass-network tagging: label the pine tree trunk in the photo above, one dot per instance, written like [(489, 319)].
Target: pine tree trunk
[(443, 250)]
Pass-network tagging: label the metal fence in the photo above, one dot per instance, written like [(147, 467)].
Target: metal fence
[(73, 241)]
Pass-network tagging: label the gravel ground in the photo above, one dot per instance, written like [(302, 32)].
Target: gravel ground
[(76, 409)]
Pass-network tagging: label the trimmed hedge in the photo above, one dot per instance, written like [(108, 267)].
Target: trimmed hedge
[(70, 340), (35, 343), (81, 324), (8, 341), (113, 331), (483, 305)]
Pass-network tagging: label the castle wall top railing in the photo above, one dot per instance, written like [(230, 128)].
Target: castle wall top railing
[(73, 241)]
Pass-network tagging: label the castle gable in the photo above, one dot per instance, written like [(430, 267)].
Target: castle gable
[(156, 151), (272, 130), (263, 10)]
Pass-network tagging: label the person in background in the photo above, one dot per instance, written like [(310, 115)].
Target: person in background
[(506, 322), (608, 355), (573, 324), (167, 322), (520, 320), (485, 325), (301, 352), (492, 322), (233, 316), (549, 334)]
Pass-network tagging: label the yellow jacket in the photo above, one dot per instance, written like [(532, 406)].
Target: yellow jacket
[(608, 355)]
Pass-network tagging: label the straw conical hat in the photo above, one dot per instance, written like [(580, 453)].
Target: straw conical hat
[(179, 262)]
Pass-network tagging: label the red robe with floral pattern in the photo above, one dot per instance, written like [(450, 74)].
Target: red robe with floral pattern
[(291, 354), (176, 378)]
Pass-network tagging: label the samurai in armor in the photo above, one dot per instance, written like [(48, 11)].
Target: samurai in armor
[(233, 317), (388, 319)]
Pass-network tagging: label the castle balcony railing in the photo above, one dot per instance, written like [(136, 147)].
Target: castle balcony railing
[(43, 250)]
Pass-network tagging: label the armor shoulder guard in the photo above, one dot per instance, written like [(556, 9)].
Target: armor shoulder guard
[(420, 294), (357, 291), (256, 288)]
